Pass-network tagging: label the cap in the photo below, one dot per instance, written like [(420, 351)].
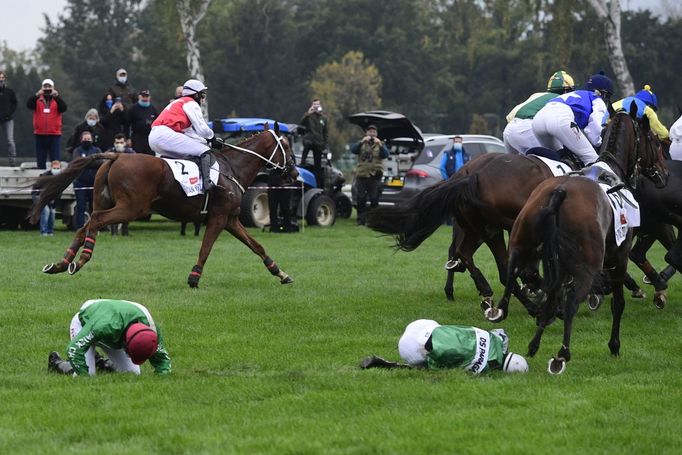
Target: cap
[(372, 127), (141, 342), (412, 344), (145, 92), (121, 72), (47, 82), (560, 82), (193, 86), (648, 97), (514, 363), (600, 82)]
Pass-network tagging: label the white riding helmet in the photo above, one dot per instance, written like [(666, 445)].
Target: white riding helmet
[(411, 344), (514, 363), (192, 87)]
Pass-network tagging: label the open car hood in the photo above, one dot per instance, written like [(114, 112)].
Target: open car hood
[(390, 125)]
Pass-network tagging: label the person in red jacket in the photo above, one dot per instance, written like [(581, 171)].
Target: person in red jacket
[(47, 107)]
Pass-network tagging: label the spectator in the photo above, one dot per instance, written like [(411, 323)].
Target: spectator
[(453, 158), (123, 90), (279, 201), (90, 123), (369, 170), (84, 183), (315, 137), (178, 93), (183, 228), (8, 104), (140, 117), (114, 119), (120, 147), (48, 212), (125, 330), (47, 107)]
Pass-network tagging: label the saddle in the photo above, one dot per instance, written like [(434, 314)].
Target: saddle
[(564, 155)]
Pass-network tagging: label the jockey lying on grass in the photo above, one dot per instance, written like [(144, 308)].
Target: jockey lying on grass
[(180, 130)]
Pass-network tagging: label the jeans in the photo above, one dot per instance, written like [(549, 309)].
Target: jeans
[(47, 146), (367, 187), (47, 220), (8, 127), (83, 203)]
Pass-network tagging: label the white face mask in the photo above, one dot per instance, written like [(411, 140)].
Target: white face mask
[(56, 171), (119, 147), (122, 79), (91, 122)]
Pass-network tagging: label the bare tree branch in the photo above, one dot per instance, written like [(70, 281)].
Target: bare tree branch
[(191, 13)]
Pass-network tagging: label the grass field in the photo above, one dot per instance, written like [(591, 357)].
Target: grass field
[(265, 368)]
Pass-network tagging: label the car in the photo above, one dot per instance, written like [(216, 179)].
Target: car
[(318, 206)]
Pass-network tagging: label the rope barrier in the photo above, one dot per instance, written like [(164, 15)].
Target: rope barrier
[(82, 188)]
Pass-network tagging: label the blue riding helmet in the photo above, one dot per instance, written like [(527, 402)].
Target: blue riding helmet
[(600, 82), (648, 97)]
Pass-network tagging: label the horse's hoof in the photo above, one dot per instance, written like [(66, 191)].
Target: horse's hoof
[(193, 283), (487, 303), (456, 265), (638, 294), (556, 366), (286, 280), (450, 296), (594, 301), (50, 268), (646, 280), (73, 268), (494, 314), (660, 299)]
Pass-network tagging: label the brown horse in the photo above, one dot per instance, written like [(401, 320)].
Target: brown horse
[(486, 195), (568, 225), (128, 187)]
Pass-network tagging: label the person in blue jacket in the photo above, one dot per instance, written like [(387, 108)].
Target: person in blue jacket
[(453, 159)]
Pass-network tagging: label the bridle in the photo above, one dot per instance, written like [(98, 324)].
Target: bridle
[(633, 167), (270, 163)]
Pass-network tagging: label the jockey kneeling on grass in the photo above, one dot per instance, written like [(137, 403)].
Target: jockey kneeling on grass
[(181, 131), (574, 120)]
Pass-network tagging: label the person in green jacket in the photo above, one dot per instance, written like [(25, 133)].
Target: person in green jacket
[(427, 344), (124, 330)]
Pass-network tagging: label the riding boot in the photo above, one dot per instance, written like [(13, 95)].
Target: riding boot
[(57, 365), (205, 165)]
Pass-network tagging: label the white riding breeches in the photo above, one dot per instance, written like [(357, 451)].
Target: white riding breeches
[(518, 136), (167, 142), (120, 360), (676, 149), (552, 128)]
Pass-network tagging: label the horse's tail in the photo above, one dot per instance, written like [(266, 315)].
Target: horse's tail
[(548, 224), (414, 220), (51, 186)]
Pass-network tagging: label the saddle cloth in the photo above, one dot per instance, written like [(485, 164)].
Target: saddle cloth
[(558, 168), (187, 175)]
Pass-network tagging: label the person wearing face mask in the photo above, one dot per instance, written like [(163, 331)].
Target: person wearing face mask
[(140, 117), (48, 213), (120, 146), (123, 90), (84, 183), (453, 158), (114, 118), (47, 107), (90, 123), (8, 104)]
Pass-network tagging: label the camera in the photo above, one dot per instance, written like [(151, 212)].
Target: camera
[(118, 99), (371, 140)]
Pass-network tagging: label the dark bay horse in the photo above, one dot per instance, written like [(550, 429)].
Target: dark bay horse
[(128, 187), (486, 195)]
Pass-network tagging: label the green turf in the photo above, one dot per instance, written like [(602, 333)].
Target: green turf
[(265, 368)]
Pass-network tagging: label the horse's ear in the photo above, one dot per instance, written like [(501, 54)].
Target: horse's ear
[(277, 128), (646, 126), (610, 109), (266, 126), (633, 111)]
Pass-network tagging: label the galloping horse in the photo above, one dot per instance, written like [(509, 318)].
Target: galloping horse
[(128, 187), (486, 195)]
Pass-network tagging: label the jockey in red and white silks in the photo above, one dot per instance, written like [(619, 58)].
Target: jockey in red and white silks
[(180, 130), (574, 120)]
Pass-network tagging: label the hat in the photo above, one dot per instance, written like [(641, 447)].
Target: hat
[(560, 82), (121, 71), (47, 81), (412, 344), (141, 342), (648, 97), (600, 82), (514, 363), (145, 92), (193, 86), (372, 127)]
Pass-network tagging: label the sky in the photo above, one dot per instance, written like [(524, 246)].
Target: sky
[(21, 20)]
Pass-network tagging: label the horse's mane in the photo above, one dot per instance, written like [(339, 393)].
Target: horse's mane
[(250, 138), (613, 131)]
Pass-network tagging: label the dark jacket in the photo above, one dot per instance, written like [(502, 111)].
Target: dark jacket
[(113, 123), (47, 114), (140, 120), (8, 104), (316, 129), (97, 132), (87, 178), (126, 92)]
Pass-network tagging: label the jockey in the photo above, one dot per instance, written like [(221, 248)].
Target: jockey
[(518, 134), (676, 140), (647, 104), (180, 130), (574, 120)]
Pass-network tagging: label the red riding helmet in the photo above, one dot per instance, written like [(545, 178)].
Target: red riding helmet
[(141, 342)]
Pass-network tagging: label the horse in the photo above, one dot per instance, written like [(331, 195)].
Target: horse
[(484, 197), (128, 187)]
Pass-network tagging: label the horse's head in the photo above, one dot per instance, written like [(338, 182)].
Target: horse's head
[(284, 160), (652, 155)]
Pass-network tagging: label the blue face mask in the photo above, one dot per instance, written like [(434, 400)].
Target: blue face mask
[(458, 146), (144, 103), (109, 103)]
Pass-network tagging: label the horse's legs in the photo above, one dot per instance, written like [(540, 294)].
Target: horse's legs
[(70, 254), (214, 227), (235, 227), (638, 256), (468, 244)]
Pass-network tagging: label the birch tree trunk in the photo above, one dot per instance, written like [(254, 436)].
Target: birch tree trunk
[(609, 14), (191, 12)]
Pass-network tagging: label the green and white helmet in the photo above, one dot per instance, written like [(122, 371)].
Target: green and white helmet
[(514, 363), (560, 82), (412, 344)]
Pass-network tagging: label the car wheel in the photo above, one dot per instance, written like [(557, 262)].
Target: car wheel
[(255, 209), (321, 211), (344, 208)]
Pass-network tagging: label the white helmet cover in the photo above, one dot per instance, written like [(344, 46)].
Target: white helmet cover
[(514, 363), (192, 87), (411, 344)]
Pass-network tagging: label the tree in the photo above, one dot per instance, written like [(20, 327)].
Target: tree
[(610, 17), (346, 87), (191, 13)]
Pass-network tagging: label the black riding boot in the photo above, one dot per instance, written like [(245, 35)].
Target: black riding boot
[(57, 365), (205, 168)]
